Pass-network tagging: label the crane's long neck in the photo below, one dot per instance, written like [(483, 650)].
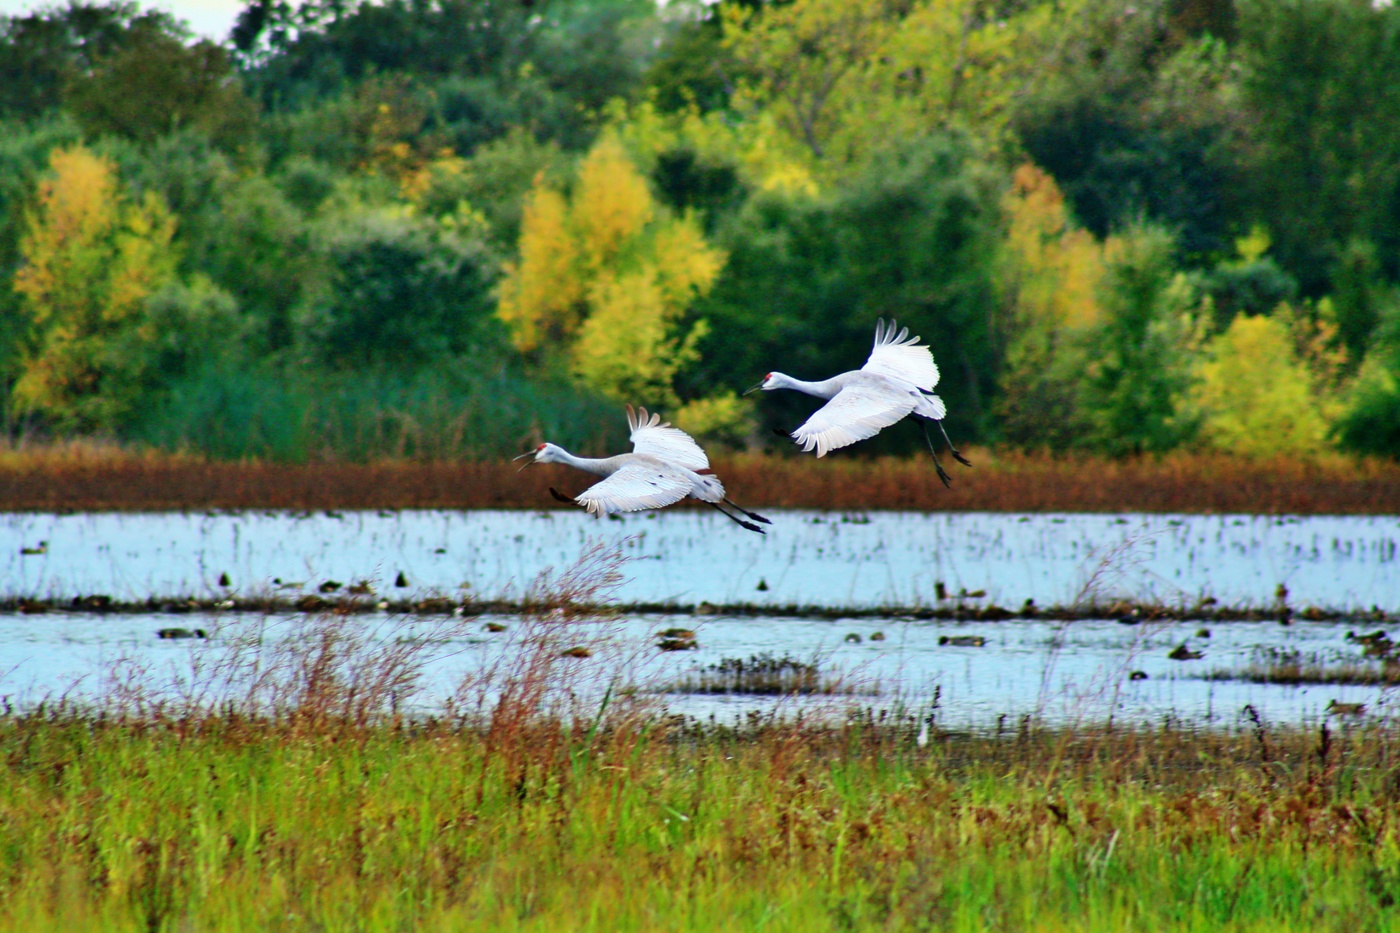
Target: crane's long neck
[(605, 466), (826, 388)]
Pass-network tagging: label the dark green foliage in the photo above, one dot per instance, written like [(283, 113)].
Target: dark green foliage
[(404, 293), (1321, 79), (1371, 424), (159, 85), (1133, 127), (488, 64), (912, 239), (1256, 287), (685, 181), (42, 52)]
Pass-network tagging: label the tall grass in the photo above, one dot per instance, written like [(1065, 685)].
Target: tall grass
[(475, 409), (234, 823)]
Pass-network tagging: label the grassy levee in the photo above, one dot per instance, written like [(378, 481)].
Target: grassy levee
[(233, 823), (92, 478)]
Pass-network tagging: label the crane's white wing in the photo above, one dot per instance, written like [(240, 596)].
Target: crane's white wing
[(634, 487), (656, 438), (855, 413), (900, 356)]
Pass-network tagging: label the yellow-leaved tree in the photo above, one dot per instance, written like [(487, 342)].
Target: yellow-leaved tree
[(1256, 395), (604, 279), (842, 77), (91, 259), (1049, 278)]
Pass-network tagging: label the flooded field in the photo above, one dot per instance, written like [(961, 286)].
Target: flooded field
[(983, 675), (1056, 672), (682, 558)]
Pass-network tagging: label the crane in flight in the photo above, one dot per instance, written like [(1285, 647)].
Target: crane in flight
[(896, 381), (664, 467)]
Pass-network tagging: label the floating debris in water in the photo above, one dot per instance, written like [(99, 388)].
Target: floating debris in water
[(181, 633), (962, 641), (578, 651), (877, 636), (329, 586), (1182, 653), (494, 627), (852, 638), (401, 580), (43, 548), (762, 585), (1346, 709), (224, 580), (1137, 675)]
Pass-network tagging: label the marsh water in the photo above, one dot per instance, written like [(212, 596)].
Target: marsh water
[(1057, 671)]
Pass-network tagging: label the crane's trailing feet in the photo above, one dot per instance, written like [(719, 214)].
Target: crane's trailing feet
[(664, 467), (896, 381)]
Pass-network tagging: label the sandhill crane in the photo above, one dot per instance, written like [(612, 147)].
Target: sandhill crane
[(665, 466), (896, 381)]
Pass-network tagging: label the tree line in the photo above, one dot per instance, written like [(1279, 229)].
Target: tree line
[(440, 228)]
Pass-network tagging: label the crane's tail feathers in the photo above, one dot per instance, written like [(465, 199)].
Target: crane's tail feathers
[(753, 515), (735, 519), (560, 497)]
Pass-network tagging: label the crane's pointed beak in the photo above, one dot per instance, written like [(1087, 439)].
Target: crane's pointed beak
[(755, 388), (522, 457)]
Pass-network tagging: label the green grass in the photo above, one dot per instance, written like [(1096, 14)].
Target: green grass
[(469, 409), (230, 823)]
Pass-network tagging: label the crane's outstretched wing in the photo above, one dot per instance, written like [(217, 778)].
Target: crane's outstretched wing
[(855, 413), (656, 438), (634, 487), (900, 356)]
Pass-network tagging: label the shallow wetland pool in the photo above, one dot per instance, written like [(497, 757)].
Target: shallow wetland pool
[(1059, 671)]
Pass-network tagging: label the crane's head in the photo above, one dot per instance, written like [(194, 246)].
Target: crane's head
[(544, 453), (769, 382)]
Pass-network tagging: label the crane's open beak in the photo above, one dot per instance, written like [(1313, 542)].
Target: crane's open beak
[(755, 388), (522, 457)]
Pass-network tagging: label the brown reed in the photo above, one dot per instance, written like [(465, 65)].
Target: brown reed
[(86, 478)]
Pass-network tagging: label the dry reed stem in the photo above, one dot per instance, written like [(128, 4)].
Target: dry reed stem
[(87, 478)]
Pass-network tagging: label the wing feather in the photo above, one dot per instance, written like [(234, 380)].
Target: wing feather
[(634, 487), (900, 356), (656, 438), (854, 414)]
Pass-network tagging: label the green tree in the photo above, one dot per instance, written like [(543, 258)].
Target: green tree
[(1142, 354), (1321, 83), (159, 85), (41, 53), (404, 291)]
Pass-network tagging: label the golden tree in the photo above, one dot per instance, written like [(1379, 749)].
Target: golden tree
[(91, 259), (1256, 395), (605, 277)]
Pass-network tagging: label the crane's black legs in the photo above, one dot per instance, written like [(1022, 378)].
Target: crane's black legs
[(753, 515), (956, 455), (737, 520), (942, 473)]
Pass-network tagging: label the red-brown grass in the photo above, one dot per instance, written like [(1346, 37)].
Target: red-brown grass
[(78, 478)]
